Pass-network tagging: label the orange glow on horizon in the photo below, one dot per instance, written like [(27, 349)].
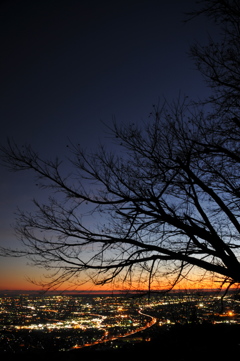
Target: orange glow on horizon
[(13, 274), (25, 285)]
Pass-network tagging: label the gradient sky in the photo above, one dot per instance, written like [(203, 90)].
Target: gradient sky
[(67, 67)]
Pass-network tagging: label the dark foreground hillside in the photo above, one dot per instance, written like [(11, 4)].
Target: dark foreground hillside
[(182, 343)]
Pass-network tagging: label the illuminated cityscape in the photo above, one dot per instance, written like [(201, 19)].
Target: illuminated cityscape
[(30, 323)]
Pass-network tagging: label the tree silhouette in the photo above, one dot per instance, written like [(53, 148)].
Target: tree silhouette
[(165, 202), (219, 61)]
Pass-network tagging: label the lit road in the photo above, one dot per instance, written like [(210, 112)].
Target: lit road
[(107, 338)]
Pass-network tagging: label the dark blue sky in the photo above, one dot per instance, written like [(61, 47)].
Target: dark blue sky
[(69, 66), (66, 65)]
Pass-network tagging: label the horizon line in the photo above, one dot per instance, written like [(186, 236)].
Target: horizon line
[(115, 292)]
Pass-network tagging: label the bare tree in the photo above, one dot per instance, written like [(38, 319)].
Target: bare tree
[(219, 60), (166, 202)]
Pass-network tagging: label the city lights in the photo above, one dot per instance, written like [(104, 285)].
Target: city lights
[(33, 323)]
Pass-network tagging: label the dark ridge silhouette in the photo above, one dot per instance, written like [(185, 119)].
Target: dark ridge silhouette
[(205, 342)]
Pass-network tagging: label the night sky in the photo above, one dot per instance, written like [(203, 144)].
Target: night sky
[(69, 67)]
